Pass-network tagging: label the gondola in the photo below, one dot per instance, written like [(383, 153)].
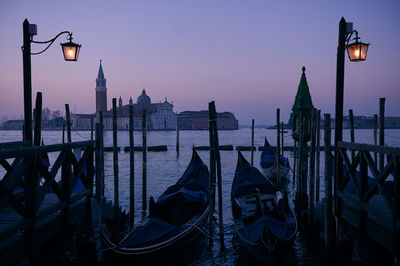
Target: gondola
[(268, 162), (264, 222), (177, 213)]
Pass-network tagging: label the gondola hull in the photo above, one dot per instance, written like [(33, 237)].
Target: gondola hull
[(268, 162), (178, 214), (264, 222)]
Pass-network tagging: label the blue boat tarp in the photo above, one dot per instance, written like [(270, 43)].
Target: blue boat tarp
[(180, 203), (281, 229), (183, 195), (254, 231), (248, 178), (268, 157), (154, 231), (191, 187)]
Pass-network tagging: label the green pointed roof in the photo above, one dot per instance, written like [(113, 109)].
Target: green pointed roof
[(101, 73), (303, 97)]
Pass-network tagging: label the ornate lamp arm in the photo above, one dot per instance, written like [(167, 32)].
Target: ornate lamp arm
[(348, 36), (50, 42)]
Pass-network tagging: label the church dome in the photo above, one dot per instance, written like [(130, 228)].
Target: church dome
[(143, 98)]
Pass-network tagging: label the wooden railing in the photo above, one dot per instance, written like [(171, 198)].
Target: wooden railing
[(27, 181), (365, 196)]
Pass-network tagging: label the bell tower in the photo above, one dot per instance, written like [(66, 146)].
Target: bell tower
[(101, 91)]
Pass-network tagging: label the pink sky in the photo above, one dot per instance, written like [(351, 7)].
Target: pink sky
[(244, 55)]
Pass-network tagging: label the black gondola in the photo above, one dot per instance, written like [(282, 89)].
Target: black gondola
[(264, 222), (268, 162), (177, 213)]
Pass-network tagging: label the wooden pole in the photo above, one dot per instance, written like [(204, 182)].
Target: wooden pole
[(317, 181), (211, 184), (63, 132), (351, 120), (144, 163), (376, 137), (294, 160), (299, 192), (339, 102), (381, 130), (277, 153), (99, 165), (91, 128), (115, 160), (101, 119), (312, 167), (102, 150), (68, 123), (131, 170), (282, 137), (219, 176), (329, 221), (38, 119), (177, 136), (27, 73), (252, 142)]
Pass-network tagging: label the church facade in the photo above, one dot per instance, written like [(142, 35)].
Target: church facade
[(159, 116)]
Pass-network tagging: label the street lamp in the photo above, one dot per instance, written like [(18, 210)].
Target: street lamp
[(357, 52), (70, 52)]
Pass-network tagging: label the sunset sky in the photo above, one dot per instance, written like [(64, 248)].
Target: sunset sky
[(244, 55)]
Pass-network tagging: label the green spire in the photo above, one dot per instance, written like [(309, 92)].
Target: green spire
[(303, 97), (302, 104)]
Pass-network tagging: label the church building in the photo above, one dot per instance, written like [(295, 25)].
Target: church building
[(159, 116)]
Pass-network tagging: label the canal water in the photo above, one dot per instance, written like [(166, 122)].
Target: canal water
[(165, 168)]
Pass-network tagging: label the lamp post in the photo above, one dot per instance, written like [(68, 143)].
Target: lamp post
[(357, 52), (70, 52)]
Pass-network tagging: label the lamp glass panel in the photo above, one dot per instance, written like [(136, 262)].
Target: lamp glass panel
[(354, 51), (69, 52), (364, 50)]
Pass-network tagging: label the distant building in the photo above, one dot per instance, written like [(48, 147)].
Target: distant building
[(13, 124), (101, 91), (159, 116), (200, 120)]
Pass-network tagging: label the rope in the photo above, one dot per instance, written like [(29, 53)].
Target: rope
[(79, 134)]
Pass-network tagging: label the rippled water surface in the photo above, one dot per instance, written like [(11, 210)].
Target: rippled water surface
[(164, 169)]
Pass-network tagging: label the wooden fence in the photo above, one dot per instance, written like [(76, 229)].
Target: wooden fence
[(34, 206), (368, 196)]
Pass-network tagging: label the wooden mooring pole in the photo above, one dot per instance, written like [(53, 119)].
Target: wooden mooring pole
[(38, 119), (329, 221), (91, 128), (99, 162), (63, 132), (102, 149), (299, 191), (144, 163), (294, 160), (68, 117), (376, 137), (352, 139), (219, 175), (212, 179), (177, 136), (312, 167), (381, 130), (282, 137), (252, 142), (317, 181), (131, 170), (115, 161), (278, 146)]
